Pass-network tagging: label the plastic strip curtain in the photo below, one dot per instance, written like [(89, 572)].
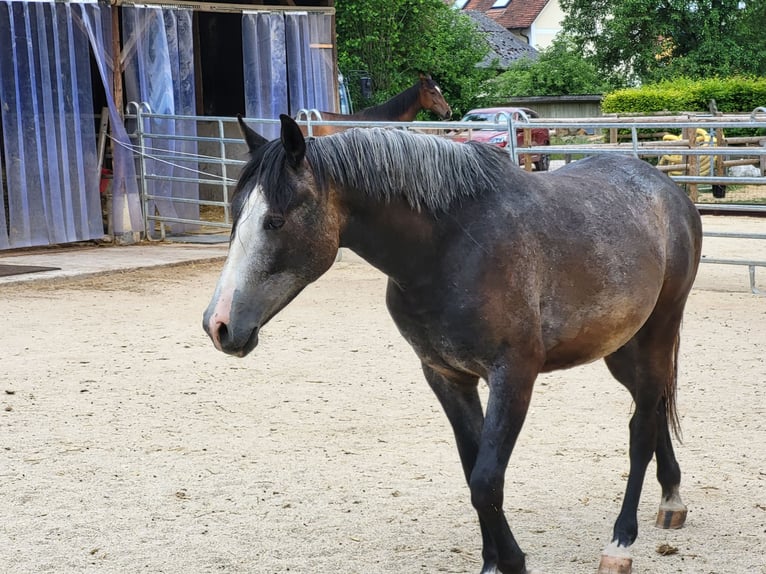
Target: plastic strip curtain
[(265, 68), (159, 70), (49, 136), (126, 205), (309, 41), (288, 65)]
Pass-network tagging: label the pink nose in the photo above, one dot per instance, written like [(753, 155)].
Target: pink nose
[(216, 319), (215, 329)]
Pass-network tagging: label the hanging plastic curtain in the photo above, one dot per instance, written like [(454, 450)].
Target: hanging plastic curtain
[(159, 71), (49, 138), (309, 43), (127, 218), (265, 68), (277, 42)]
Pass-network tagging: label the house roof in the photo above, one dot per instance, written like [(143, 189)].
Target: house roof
[(505, 48), (517, 15)]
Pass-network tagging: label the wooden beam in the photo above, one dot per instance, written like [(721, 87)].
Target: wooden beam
[(117, 62)]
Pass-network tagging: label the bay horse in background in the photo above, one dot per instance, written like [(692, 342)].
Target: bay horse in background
[(494, 273), (425, 94)]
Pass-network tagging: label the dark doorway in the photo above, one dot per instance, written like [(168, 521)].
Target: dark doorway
[(220, 74)]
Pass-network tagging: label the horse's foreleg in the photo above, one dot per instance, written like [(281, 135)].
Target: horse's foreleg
[(459, 397), (509, 396)]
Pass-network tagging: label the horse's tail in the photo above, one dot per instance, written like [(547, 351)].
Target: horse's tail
[(671, 411)]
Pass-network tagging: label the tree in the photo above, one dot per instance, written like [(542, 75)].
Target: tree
[(392, 40), (651, 40), (559, 70), (750, 35)]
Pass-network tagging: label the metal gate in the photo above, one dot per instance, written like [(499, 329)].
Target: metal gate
[(220, 152)]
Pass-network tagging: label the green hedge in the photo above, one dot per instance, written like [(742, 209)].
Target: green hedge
[(732, 95)]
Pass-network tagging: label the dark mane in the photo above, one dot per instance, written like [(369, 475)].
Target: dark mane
[(266, 166), (391, 108), (429, 172)]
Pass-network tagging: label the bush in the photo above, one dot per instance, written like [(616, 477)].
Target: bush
[(732, 95)]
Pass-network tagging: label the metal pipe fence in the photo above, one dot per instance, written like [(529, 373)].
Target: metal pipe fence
[(221, 153), (686, 148)]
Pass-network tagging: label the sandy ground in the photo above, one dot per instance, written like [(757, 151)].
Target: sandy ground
[(128, 444)]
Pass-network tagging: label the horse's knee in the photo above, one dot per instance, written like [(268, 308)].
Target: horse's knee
[(486, 494)]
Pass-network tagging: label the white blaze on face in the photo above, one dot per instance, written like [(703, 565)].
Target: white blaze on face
[(245, 253)]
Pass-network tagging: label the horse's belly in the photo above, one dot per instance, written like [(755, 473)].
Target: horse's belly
[(592, 336)]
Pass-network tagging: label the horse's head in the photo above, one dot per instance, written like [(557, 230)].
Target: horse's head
[(285, 235), (432, 99)]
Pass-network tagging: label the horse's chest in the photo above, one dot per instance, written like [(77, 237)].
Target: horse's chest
[(442, 332)]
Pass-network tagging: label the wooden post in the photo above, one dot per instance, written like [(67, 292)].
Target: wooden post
[(527, 143), (117, 59), (693, 163), (762, 162), (720, 168)]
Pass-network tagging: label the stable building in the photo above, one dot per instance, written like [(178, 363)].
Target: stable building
[(70, 70)]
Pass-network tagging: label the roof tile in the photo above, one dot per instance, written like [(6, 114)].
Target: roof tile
[(519, 14)]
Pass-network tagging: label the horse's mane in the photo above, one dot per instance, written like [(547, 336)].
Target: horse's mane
[(428, 171)]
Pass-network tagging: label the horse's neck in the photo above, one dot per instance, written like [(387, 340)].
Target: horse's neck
[(391, 236), (402, 107)]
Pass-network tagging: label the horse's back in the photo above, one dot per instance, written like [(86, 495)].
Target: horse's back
[(589, 249), (629, 188), (640, 198), (623, 175)]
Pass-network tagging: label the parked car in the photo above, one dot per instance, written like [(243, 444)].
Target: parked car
[(540, 136)]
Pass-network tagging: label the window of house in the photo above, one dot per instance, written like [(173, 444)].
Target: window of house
[(501, 3)]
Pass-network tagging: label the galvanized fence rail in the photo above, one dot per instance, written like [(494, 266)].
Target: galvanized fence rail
[(717, 147), (222, 153)]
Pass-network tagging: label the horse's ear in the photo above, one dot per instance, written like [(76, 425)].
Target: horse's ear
[(424, 77), (292, 140), (254, 140)]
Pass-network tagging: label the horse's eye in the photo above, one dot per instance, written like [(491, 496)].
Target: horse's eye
[(273, 222)]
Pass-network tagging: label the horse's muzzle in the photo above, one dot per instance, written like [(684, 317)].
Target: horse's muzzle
[(237, 342)]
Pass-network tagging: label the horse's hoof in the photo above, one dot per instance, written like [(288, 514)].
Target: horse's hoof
[(615, 564), (615, 559), (672, 513), (671, 518)]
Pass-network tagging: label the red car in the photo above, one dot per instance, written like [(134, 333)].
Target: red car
[(540, 136)]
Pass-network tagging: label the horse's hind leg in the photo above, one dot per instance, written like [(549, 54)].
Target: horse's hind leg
[(672, 511), (646, 366)]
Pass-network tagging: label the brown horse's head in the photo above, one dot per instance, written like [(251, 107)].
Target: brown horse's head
[(432, 99)]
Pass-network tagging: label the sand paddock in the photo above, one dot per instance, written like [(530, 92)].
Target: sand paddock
[(128, 444)]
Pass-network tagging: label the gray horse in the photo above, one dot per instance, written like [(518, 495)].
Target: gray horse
[(494, 273)]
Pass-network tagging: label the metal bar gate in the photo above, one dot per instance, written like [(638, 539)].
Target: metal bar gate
[(222, 152)]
